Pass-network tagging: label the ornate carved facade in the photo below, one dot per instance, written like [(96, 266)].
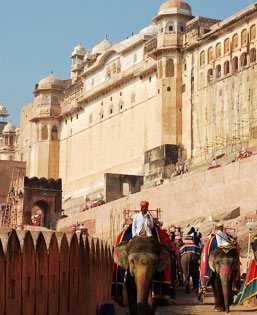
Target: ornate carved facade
[(184, 82)]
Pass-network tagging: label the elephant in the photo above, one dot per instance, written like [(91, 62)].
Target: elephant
[(190, 266), (224, 264), (141, 257)]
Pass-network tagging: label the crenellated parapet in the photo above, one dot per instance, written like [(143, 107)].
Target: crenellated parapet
[(43, 183), (53, 273)]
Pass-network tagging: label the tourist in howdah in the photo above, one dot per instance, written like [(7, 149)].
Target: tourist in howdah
[(142, 221)]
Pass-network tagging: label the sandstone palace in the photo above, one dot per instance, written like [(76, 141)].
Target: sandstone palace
[(181, 90)]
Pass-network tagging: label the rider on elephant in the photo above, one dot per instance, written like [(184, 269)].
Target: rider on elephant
[(143, 226), (142, 221), (220, 265), (190, 253)]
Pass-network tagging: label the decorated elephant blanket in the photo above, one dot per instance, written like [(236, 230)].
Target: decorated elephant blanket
[(248, 288), (162, 282), (205, 270), (190, 248)]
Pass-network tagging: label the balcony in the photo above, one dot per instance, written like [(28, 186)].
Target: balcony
[(150, 45)]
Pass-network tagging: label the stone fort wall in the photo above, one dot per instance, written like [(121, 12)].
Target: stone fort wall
[(193, 195), (53, 273)]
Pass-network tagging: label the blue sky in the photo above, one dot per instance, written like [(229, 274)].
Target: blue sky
[(37, 37)]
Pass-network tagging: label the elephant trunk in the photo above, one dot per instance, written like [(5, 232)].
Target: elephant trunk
[(143, 284), (225, 276)]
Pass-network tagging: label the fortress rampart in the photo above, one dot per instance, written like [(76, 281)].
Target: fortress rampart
[(193, 195)]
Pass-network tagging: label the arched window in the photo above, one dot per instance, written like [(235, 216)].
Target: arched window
[(182, 27), (202, 58), (6, 142), (226, 46), (244, 38), (45, 99), (210, 54), (121, 106), (54, 133), (226, 67), (161, 28), (235, 42), (90, 119), (210, 76), (168, 89), (44, 133), (183, 88), (111, 109), (101, 114), (55, 100), (253, 32), (218, 50), (253, 55), (169, 68), (243, 60), (235, 64), (218, 71), (169, 27)]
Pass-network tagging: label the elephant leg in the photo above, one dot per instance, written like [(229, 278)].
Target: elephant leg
[(186, 282), (195, 283), (185, 263), (218, 295), (132, 294), (195, 273)]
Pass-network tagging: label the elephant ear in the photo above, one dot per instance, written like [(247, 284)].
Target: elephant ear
[(164, 259), (120, 255)]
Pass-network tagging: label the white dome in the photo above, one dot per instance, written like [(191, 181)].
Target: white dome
[(102, 47), (3, 111), (78, 51), (9, 128), (50, 82), (174, 7), (151, 30)]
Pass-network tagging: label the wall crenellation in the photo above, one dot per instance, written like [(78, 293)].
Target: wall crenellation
[(53, 273)]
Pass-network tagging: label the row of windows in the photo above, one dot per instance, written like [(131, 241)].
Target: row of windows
[(44, 133), (111, 109), (242, 61), (170, 27), (228, 45), (46, 100)]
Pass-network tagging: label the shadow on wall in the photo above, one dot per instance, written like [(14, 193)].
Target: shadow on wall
[(53, 273)]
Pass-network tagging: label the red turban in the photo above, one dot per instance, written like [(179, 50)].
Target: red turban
[(144, 203)]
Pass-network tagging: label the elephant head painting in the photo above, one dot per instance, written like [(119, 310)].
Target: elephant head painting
[(224, 265), (141, 257)]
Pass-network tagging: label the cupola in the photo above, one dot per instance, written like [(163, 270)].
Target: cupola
[(102, 47), (173, 7)]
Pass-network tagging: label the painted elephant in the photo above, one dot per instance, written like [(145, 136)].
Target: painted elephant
[(142, 257), (224, 265), (190, 267)]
